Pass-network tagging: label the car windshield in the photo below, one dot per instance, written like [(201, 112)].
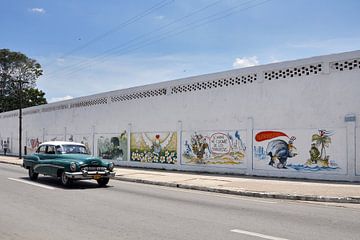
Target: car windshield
[(74, 149)]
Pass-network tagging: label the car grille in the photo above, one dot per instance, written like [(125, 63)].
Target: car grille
[(91, 168)]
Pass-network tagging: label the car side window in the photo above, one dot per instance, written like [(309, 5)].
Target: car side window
[(41, 149), (50, 149), (58, 150)]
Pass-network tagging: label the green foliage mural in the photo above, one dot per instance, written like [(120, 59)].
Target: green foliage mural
[(154, 147), (320, 140), (113, 146)]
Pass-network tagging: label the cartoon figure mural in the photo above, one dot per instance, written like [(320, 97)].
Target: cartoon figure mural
[(216, 147), (154, 147), (321, 139), (281, 151), (310, 151), (198, 146), (278, 150)]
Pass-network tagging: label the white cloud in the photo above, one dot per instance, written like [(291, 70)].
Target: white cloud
[(160, 17), (245, 62), (58, 99), (37, 10)]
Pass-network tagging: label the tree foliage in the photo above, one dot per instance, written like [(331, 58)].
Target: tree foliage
[(17, 71)]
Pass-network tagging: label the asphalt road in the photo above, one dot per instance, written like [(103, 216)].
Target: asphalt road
[(136, 211)]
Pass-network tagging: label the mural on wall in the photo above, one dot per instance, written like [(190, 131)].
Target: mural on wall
[(154, 147), (112, 146), (85, 139), (278, 150), (5, 145), (320, 142), (302, 150), (357, 147), (54, 137), (214, 147), (32, 144)]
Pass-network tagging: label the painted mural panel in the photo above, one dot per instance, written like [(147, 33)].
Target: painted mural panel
[(112, 146), (5, 145), (54, 137), (357, 163), (154, 147), (32, 143), (215, 148), (85, 139), (307, 150)]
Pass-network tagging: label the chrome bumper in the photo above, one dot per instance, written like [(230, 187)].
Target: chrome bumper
[(90, 174)]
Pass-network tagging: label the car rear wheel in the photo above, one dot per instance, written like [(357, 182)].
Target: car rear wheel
[(33, 175), (65, 181), (103, 181)]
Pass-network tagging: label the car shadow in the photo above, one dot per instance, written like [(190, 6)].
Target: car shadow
[(76, 185)]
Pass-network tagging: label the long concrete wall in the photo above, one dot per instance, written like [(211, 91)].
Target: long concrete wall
[(291, 119)]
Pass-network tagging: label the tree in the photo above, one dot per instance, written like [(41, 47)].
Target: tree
[(18, 75)]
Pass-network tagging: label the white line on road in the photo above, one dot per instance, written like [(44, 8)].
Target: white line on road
[(31, 183), (257, 234)]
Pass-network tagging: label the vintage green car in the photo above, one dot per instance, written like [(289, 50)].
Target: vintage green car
[(67, 161)]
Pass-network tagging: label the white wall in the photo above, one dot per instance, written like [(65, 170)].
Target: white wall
[(319, 96)]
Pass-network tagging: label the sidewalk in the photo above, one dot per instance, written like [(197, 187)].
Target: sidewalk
[(307, 190)]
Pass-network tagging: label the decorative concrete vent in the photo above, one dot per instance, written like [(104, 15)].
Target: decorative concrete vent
[(55, 108), (144, 94), (88, 103), (31, 112), (312, 69), (346, 65), (11, 115), (219, 83)]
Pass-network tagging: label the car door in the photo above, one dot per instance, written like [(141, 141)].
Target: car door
[(49, 161), (46, 166), (41, 154)]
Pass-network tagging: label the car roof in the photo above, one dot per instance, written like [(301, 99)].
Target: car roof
[(61, 143)]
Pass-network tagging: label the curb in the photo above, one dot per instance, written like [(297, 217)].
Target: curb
[(11, 163), (312, 198)]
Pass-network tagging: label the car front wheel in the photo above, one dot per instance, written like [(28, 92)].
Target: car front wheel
[(33, 175), (65, 181), (103, 181)]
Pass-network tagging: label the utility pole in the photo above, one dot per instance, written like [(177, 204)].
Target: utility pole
[(20, 115)]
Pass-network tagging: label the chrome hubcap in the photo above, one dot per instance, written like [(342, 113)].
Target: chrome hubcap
[(64, 178)]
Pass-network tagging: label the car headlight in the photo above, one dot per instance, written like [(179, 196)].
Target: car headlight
[(73, 167), (111, 166)]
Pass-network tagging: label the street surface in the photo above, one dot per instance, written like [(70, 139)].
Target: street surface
[(45, 210)]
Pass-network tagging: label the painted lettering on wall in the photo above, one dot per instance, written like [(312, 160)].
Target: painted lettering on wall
[(214, 147)]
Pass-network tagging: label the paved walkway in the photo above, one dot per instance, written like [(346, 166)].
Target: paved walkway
[(307, 190)]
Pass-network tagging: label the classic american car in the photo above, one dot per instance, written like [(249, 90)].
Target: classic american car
[(67, 161)]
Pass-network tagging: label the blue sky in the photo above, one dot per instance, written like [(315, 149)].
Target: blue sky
[(91, 46)]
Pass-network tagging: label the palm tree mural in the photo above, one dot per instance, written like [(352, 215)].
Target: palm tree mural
[(322, 140)]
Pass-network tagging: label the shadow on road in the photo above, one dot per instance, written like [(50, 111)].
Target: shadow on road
[(76, 185)]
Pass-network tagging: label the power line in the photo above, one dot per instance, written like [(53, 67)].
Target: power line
[(123, 45), (122, 25), (200, 22)]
